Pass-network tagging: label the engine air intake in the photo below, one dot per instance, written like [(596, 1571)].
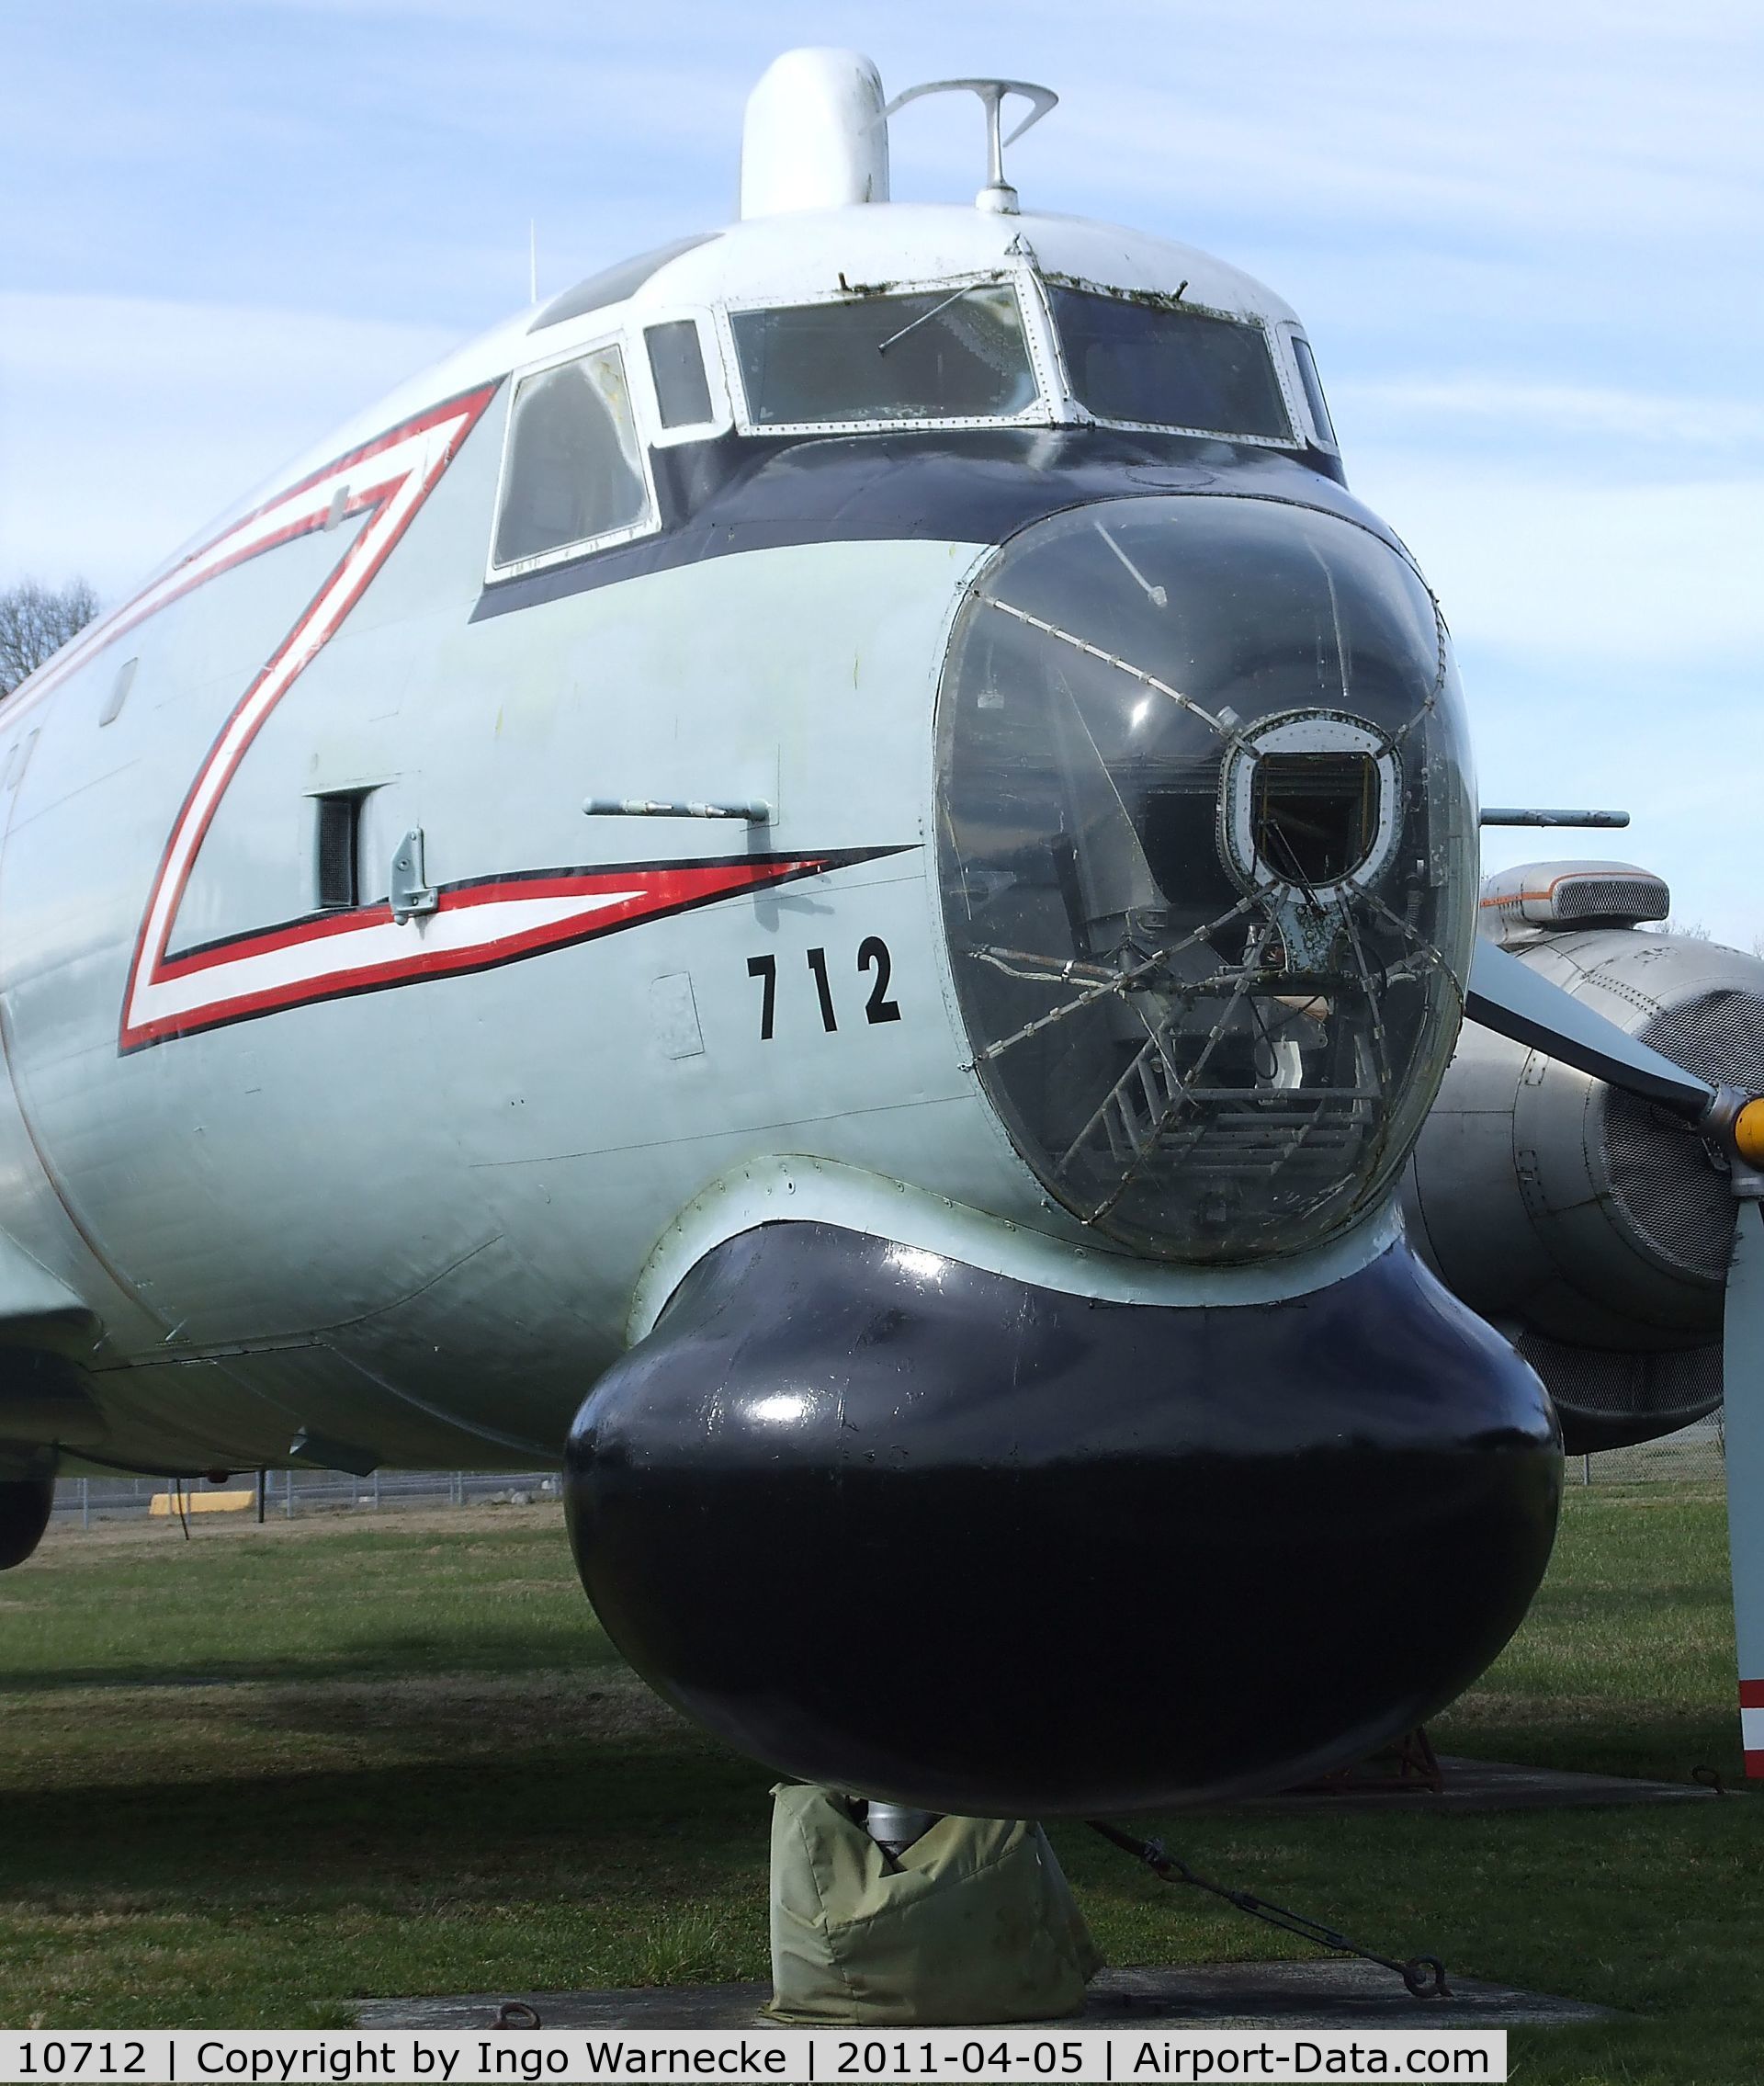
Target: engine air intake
[(1577, 894)]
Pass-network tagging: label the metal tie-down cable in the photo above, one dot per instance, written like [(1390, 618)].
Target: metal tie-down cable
[(1423, 1975)]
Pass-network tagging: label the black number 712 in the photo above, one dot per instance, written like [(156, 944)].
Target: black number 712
[(872, 957)]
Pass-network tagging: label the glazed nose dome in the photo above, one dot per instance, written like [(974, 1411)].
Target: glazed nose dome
[(1207, 855)]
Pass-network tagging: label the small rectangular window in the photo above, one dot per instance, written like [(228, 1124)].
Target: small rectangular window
[(1321, 424), (677, 365), (1314, 816), (935, 355), (339, 852), (574, 472), (1170, 367)]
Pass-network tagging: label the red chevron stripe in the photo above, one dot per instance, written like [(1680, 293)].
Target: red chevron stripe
[(524, 915), (408, 460)]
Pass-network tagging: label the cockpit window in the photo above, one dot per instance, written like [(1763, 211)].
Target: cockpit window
[(573, 473), (1169, 368), (677, 366), (1313, 383), (934, 354)]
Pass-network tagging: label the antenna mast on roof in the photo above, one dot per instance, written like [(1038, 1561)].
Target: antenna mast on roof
[(998, 195)]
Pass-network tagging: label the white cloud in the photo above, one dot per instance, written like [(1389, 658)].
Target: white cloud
[(127, 423), (1543, 565), (1529, 409)]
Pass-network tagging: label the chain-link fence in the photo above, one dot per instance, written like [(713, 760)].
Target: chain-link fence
[(1694, 1454), (286, 1493)]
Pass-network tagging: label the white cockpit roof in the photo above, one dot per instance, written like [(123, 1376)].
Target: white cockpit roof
[(806, 253)]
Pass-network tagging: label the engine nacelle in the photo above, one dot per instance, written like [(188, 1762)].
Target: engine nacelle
[(1590, 1227)]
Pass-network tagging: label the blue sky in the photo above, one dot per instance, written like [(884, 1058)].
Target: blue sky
[(1527, 240)]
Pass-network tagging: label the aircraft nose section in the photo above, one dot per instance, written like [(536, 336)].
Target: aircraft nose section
[(920, 1531)]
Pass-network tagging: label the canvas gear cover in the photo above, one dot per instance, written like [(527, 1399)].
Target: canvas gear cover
[(974, 1924)]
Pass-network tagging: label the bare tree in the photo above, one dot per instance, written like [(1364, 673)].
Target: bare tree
[(36, 621)]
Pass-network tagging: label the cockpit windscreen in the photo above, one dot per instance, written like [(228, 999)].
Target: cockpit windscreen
[(1169, 368), (934, 354)]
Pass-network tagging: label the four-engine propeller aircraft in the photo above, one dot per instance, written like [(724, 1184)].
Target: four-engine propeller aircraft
[(841, 870)]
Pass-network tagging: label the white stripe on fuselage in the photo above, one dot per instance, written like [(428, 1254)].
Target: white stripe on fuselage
[(335, 960)]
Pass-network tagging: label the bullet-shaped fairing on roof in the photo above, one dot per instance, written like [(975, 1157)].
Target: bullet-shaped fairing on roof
[(815, 136)]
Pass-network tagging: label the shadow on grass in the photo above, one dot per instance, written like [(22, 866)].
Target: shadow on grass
[(466, 1828), (451, 1650)]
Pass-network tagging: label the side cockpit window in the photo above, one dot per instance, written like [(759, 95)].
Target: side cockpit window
[(573, 470), (1317, 406)]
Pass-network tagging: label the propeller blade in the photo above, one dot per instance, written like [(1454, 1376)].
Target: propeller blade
[(1742, 1364), (1510, 998)]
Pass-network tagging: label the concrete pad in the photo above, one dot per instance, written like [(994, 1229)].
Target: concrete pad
[(1481, 1785), (1332, 1992)]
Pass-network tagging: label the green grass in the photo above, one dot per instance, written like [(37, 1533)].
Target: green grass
[(245, 1779)]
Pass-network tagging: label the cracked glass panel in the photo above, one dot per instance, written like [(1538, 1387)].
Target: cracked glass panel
[(1207, 849)]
